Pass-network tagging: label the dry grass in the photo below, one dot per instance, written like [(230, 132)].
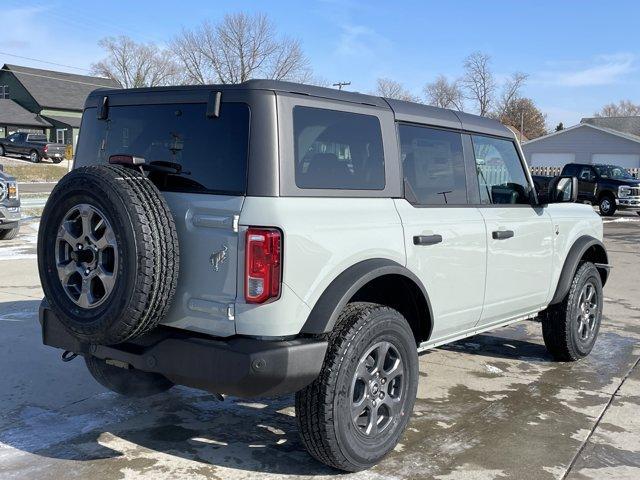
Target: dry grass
[(36, 173)]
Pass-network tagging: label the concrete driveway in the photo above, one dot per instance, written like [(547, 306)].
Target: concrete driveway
[(492, 406)]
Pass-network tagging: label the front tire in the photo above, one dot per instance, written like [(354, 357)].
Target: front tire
[(2, 152), (607, 205), (354, 413), (127, 382), (571, 327)]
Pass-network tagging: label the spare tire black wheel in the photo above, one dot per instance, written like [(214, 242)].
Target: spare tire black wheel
[(108, 254)]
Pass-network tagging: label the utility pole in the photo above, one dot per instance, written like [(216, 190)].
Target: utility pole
[(341, 84)]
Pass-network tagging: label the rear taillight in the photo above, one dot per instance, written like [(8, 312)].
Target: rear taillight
[(262, 265), (46, 148)]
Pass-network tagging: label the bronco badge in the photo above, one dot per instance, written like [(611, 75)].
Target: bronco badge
[(217, 258)]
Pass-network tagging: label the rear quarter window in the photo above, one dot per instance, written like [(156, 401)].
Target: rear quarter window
[(211, 152), (337, 150)]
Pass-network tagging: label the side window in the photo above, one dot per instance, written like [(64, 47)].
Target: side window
[(586, 174), (433, 166), (501, 176), (571, 170), (337, 150)]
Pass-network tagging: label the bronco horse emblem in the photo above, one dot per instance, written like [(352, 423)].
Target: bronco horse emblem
[(218, 258)]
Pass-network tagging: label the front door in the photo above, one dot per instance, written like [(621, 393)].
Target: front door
[(444, 236), (587, 183), (519, 236)]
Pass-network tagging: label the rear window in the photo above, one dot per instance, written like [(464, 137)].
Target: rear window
[(337, 150), (36, 137), (211, 152)]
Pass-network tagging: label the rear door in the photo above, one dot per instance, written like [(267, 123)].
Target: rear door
[(519, 236), (205, 191), (444, 236)]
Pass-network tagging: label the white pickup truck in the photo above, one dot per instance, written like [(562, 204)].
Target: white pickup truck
[(268, 238)]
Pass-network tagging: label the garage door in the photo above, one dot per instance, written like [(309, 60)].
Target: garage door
[(551, 159), (622, 160)]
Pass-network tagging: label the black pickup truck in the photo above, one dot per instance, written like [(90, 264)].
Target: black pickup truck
[(610, 187), (9, 206), (32, 145)]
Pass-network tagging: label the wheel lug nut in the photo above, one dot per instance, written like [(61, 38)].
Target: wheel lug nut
[(87, 271), (374, 403), (80, 246), (381, 396), (383, 381)]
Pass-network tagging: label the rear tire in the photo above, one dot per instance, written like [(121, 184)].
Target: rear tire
[(9, 233), (571, 327), (34, 156), (371, 367), (127, 382), (57, 159), (607, 205)]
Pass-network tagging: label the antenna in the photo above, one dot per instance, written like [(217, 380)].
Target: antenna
[(341, 84)]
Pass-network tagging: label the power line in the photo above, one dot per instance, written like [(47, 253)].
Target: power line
[(44, 61), (57, 78)]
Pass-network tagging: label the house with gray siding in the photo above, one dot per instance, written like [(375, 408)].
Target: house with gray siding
[(45, 101), (603, 140)]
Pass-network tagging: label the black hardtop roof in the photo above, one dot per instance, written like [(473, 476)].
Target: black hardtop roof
[(403, 111)]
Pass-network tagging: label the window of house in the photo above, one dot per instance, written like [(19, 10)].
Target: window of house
[(501, 176), (337, 150), (433, 166), (4, 91), (60, 135)]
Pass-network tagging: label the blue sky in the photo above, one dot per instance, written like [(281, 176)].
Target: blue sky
[(579, 55)]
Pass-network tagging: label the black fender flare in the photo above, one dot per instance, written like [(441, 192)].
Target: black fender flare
[(575, 255), (326, 310)]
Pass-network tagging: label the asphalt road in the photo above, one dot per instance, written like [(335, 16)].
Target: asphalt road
[(491, 406)]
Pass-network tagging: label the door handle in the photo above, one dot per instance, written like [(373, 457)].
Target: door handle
[(502, 234), (427, 239)]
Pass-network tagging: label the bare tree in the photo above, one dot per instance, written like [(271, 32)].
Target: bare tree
[(237, 49), (523, 112), (510, 91), (444, 94), (135, 64), (385, 87), (479, 82), (624, 108)]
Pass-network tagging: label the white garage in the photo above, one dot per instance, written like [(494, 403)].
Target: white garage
[(604, 140), (626, 160), (551, 159)]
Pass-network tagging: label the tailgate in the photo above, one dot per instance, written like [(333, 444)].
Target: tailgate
[(207, 284), (56, 149)]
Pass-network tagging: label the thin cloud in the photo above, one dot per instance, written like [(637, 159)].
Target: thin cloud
[(359, 41), (602, 70)]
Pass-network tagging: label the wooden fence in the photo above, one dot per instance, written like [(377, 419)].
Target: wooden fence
[(555, 171)]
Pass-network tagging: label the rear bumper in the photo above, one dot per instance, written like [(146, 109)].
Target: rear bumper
[(243, 367)]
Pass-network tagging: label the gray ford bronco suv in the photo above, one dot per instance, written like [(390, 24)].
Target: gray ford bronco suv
[(268, 238)]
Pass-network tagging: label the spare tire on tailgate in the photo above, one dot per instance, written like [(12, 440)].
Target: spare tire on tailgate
[(108, 253)]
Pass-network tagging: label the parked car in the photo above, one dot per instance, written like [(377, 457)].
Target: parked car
[(608, 186), (32, 145), (268, 238), (9, 206)]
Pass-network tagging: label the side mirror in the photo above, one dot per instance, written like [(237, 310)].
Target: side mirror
[(562, 189)]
